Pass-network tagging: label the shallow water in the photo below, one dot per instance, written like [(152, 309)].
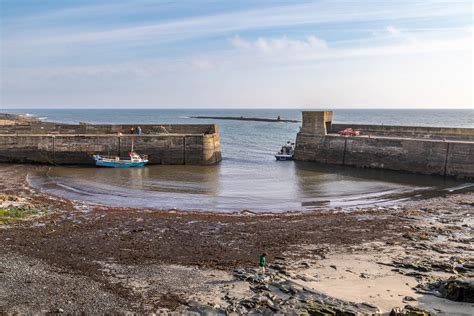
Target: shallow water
[(277, 186), (248, 177)]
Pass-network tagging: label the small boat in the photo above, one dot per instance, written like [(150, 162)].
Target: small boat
[(287, 152), (134, 160)]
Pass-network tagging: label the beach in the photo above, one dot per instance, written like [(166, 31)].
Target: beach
[(307, 158), (73, 256)]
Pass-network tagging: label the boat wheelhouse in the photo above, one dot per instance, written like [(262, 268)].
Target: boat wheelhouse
[(286, 152)]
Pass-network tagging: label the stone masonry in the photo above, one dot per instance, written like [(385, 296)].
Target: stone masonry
[(53, 143), (426, 150)]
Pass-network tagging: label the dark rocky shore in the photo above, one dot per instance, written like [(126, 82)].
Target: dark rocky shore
[(71, 257), (16, 119)]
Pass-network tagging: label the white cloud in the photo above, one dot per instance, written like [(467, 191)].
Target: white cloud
[(202, 63), (284, 50), (392, 30), (277, 45)]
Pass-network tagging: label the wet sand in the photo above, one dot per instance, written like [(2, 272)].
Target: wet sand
[(149, 260)]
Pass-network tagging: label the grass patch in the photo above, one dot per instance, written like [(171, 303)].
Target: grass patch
[(8, 216)]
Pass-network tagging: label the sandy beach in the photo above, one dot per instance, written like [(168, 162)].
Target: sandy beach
[(76, 257)]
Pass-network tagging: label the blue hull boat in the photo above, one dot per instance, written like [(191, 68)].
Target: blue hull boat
[(111, 164), (135, 160)]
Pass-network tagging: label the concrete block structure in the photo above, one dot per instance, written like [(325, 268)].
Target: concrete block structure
[(425, 150), (54, 143)]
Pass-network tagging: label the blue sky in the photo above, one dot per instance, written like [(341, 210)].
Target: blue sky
[(288, 54)]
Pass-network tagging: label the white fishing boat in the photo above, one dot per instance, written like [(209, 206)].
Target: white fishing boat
[(286, 152)]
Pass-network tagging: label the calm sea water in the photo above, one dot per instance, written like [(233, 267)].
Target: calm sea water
[(248, 177)]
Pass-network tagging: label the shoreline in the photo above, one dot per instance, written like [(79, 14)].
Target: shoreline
[(193, 261), (17, 119)]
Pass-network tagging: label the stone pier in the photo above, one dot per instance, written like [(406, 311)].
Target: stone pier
[(427, 150), (54, 143)]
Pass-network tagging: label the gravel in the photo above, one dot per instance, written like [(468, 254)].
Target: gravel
[(28, 285)]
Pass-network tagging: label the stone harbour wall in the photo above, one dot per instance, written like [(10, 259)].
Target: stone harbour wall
[(408, 131), (58, 128), (74, 144), (426, 155)]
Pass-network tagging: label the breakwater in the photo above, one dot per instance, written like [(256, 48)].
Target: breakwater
[(241, 118), (425, 150), (55, 143)]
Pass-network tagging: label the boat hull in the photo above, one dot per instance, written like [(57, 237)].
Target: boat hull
[(284, 157), (114, 164)]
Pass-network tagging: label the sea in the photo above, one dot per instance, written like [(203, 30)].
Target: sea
[(248, 178)]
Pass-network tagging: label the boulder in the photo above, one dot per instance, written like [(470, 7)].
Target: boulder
[(459, 290)]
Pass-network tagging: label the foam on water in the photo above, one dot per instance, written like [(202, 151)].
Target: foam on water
[(460, 187)]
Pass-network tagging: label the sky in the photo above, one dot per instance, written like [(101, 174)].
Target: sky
[(232, 54)]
